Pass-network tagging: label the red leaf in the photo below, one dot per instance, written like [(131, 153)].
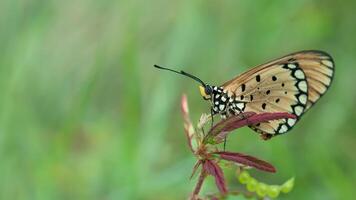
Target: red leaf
[(264, 117), (214, 169), (231, 123), (221, 129), (246, 160)]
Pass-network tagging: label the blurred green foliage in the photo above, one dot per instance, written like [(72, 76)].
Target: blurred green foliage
[(84, 115)]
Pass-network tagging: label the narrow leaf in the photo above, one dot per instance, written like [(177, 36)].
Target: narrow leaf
[(221, 129), (195, 168), (188, 126), (214, 169), (246, 160), (233, 121)]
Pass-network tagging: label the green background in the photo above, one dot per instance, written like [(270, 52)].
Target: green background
[(84, 115)]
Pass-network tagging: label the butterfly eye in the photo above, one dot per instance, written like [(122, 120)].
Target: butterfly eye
[(208, 90)]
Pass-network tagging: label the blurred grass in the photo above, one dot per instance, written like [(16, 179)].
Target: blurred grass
[(84, 115)]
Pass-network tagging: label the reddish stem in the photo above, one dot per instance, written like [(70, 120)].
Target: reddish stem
[(198, 186)]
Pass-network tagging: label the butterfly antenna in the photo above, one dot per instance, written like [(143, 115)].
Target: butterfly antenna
[(182, 73)]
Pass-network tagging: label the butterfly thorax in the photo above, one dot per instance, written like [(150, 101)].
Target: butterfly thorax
[(225, 104)]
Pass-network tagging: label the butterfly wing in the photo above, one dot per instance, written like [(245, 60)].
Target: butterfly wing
[(319, 69), (291, 84)]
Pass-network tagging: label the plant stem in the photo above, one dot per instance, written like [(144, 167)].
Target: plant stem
[(198, 185)]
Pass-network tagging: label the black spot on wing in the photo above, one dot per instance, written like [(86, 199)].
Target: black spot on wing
[(243, 87), (258, 78), (264, 106)]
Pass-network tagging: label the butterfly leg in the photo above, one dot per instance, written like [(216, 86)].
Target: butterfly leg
[(212, 117), (224, 115), (225, 143)]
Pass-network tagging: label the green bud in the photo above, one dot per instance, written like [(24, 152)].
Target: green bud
[(261, 189), (244, 177), (273, 191), (287, 186), (252, 185)]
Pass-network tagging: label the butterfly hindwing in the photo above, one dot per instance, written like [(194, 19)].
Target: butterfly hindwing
[(290, 84)]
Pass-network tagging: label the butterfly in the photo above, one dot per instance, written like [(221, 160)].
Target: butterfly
[(292, 83)]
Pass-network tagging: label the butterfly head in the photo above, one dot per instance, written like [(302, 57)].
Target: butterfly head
[(206, 91)]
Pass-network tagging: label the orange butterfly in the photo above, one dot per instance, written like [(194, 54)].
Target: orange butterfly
[(290, 84)]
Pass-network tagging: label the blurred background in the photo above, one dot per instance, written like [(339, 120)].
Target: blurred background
[(84, 115)]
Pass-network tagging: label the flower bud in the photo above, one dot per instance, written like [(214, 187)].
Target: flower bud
[(252, 185), (244, 177), (261, 189), (273, 191), (287, 186)]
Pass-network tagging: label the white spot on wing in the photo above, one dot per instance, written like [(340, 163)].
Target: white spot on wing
[(291, 66), (223, 99), (283, 129), (216, 103), (240, 106), (291, 122), (302, 85), (328, 71), (298, 110), (222, 106), (327, 63), (327, 82), (299, 74), (302, 98)]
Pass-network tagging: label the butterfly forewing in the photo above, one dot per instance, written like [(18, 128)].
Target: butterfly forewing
[(290, 84), (319, 69)]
